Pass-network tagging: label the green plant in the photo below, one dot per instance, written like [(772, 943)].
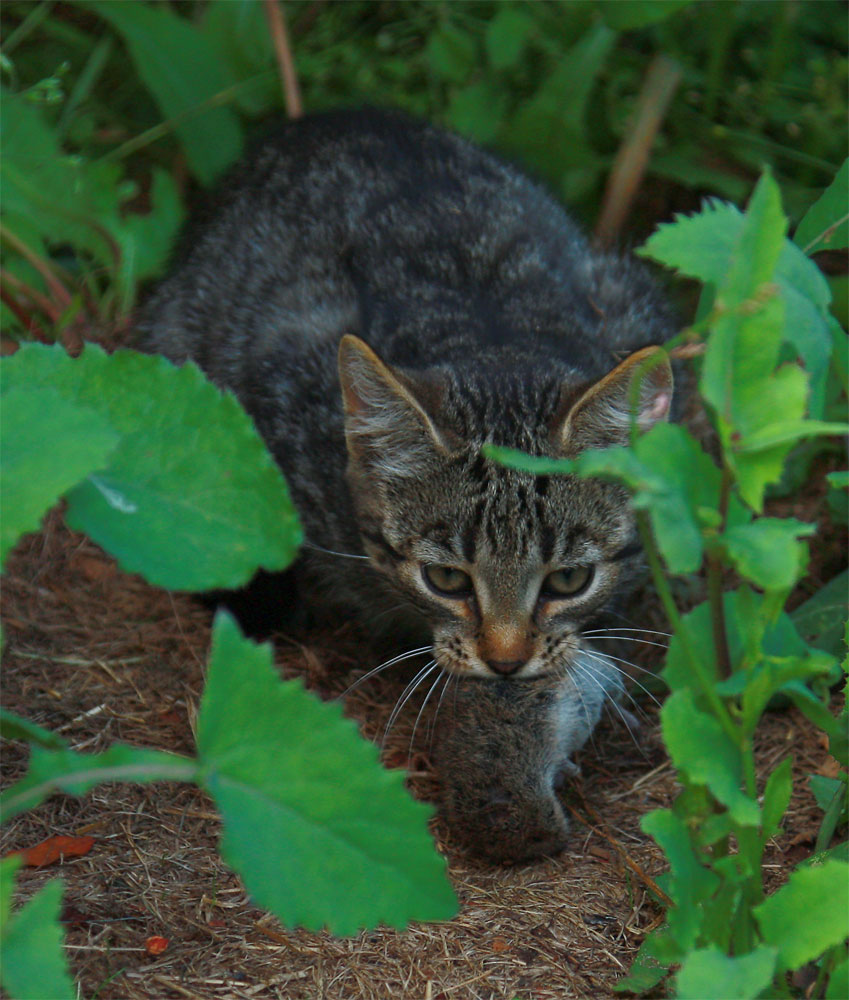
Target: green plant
[(154, 463), (765, 309)]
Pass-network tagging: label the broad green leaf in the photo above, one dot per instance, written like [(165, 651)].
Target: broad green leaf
[(686, 732), (710, 973), (170, 503), (476, 108), (825, 226), (767, 550), (756, 251), (180, 69), (14, 727), (47, 445), (839, 480), (638, 13), (34, 964), (75, 773), (776, 798), (238, 33), (320, 833), (645, 971), (821, 619), (689, 883), (819, 893), (506, 35)]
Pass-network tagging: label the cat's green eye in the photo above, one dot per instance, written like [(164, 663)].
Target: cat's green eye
[(567, 582), (448, 580)]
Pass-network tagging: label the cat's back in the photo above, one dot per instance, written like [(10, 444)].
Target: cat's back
[(373, 223)]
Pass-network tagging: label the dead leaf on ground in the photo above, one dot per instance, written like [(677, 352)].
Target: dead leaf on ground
[(54, 849)]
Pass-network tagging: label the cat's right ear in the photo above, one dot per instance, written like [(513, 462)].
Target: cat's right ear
[(387, 423), (602, 415)]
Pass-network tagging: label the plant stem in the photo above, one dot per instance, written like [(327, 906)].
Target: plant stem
[(717, 608), (682, 632)]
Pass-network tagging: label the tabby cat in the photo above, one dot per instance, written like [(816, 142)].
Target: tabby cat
[(384, 298)]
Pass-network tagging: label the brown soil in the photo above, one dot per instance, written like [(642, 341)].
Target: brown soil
[(98, 655)]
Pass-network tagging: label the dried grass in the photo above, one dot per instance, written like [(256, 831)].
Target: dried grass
[(99, 655)]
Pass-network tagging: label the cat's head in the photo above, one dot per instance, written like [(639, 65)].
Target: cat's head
[(507, 568)]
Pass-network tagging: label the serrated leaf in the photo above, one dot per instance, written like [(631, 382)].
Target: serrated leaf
[(686, 732), (320, 833), (767, 551), (171, 502), (505, 37), (820, 893), (180, 69), (34, 964), (825, 226), (47, 445), (708, 972), (73, 773), (824, 789), (14, 727)]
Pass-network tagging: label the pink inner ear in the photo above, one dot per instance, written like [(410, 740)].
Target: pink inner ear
[(657, 409)]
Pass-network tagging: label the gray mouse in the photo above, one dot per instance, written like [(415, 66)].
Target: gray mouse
[(504, 750)]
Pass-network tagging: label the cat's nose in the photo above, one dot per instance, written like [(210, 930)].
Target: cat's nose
[(505, 667)]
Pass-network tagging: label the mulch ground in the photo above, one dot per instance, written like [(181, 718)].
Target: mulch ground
[(98, 655)]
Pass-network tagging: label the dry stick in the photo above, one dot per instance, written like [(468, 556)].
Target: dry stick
[(279, 36), (660, 84), (597, 827)]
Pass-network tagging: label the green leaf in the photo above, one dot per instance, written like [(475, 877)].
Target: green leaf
[(825, 226), (838, 982), (14, 727), (47, 445), (75, 773), (476, 110), (821, 619), (818, 893), (320, 833), (639, 13), (690, 882), (707, 972), (451, 53), (34, 964), (766, 551), (180, 69), (505, 37), (776, 798), (686, 732), (703, 246), (8, 867), (170, 503)]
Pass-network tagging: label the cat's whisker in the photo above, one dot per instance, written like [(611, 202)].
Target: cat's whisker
[(418, 717), (406, 694), (432, 726), (624, 638), (585, 671), (409, 655), (331, 552), (640, 631), (604, 657)]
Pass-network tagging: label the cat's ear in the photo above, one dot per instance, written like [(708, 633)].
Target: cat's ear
[(387, 422), (602, 415)]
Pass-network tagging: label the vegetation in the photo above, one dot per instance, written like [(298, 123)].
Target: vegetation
[(723, 90)]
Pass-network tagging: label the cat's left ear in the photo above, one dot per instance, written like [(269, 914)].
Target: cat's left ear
[(602, 415)]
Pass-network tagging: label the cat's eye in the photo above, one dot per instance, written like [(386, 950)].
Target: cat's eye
[(448, 580), (567, 582)]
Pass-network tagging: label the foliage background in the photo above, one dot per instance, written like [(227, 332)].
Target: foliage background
[(116, 116)]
